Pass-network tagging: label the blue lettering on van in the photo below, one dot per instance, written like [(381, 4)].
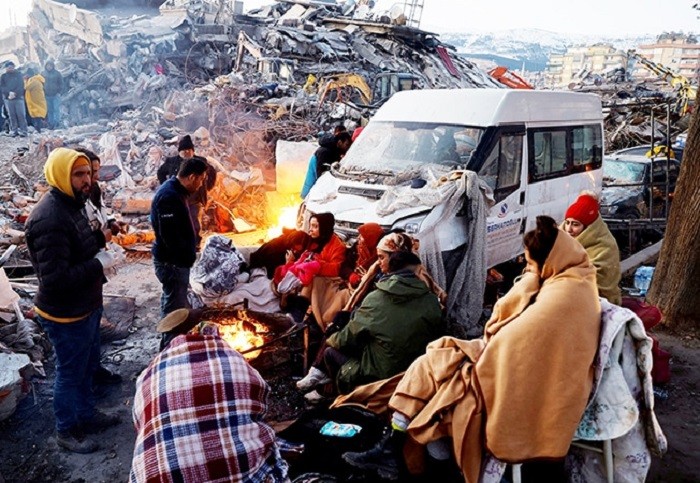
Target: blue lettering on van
[(502, 225)]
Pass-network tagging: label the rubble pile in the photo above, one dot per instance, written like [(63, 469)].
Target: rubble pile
[(629, 106)]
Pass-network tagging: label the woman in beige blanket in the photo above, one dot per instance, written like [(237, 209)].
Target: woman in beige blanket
[(583, 222), (520, 391)]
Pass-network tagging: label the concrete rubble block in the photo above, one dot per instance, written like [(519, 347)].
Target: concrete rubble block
[(133, 202), (15, 373)]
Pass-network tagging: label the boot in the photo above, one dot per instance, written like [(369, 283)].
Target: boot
[(105, 376), (385, 459), (99, 422), (75, 440)]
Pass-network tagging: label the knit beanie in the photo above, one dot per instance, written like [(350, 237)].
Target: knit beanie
[(185, 143), (585, 210)]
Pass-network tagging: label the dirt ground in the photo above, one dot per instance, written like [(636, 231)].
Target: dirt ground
[(28, 450)]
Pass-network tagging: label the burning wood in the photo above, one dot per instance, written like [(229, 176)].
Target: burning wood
[(243, 333)]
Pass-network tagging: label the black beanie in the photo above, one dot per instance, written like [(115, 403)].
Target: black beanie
[(185, 143)]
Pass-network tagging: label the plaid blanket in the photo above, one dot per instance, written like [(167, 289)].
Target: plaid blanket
[(198, 412)]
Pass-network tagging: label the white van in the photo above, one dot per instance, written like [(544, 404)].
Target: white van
[(537, 150)]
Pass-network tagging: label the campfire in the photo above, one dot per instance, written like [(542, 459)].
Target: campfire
[(243, 333), (247, 331), (287, 219)]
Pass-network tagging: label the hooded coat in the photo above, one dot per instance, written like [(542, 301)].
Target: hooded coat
[(34, 95), (62, 247), (388, 331), (327, 154)]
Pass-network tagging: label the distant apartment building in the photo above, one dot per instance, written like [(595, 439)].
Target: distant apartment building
[(678, 52), (580, 61)]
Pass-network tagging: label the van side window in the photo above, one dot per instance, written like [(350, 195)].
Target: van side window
[(550, 153), (587, 149), (556, 152), (501, 170)]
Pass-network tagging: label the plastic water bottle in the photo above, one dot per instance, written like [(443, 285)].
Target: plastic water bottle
[(642, 279)]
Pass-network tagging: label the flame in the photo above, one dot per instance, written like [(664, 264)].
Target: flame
[(286, 219), (243, 333)]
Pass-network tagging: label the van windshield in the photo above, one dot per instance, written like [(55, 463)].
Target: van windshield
[(399, 147)]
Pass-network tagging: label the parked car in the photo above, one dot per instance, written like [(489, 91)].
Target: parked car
[(644, 150), (627, 186)]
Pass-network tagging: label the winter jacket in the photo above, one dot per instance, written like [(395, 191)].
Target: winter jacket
[(34, 95), (171, 166), (175, 237), (54, 83), (331, 257), (62, 247), (320, 162), (12, 82), (388, 331)]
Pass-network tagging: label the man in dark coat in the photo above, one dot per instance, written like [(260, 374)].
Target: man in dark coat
[(70, 268), (175, 247), (12, 87), (198, 200), (53, 88), (332, 147)]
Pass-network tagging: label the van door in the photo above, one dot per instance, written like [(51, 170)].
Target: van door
[(562, 162), (502, 171)]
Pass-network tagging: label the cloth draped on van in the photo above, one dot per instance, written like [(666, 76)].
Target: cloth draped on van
[(466, 289)]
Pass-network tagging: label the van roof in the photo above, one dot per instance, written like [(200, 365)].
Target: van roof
[(489, 107)]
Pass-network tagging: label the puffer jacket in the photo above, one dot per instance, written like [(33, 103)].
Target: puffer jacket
[(62, 250), (176, 242), (388, 331)]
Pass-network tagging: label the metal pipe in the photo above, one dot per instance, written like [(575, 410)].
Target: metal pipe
[(668, 162), (651, 167)]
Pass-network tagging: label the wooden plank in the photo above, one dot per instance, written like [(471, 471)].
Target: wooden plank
[(648, 255)]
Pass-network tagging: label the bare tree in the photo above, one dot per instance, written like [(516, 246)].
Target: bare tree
[(675, 288)]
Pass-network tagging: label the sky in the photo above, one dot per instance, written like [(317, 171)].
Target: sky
[(596, 17)]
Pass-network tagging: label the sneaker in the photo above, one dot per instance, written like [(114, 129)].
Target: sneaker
[(315, 377), (99, 422), (313, 397), (76, 441), (105, 376)]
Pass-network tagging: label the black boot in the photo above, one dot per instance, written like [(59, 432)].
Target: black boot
[(385, 458)]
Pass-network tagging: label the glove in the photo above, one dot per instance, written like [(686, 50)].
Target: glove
[(107, 259)]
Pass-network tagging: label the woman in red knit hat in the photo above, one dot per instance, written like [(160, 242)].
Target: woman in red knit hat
[(583, 222)]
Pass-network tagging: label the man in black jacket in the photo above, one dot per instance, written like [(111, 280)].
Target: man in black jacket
[(70, 268), (197, 200), (175, 248), (12, 87), (53, 88)]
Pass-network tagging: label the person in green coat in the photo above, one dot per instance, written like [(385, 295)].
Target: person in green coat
[(389, 330)]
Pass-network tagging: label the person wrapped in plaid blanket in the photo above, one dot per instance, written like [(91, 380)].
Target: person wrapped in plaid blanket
[(198, 412)]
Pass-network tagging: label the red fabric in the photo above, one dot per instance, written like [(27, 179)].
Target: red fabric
[(649, 314), (367, 250), (357, 132), (331, 257), (661, 368), (585, 210), (306, 271)]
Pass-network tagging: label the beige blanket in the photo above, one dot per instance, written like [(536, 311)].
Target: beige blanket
[(520, 391)]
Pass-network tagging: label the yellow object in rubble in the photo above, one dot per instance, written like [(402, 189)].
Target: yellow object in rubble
[(34, 96)]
